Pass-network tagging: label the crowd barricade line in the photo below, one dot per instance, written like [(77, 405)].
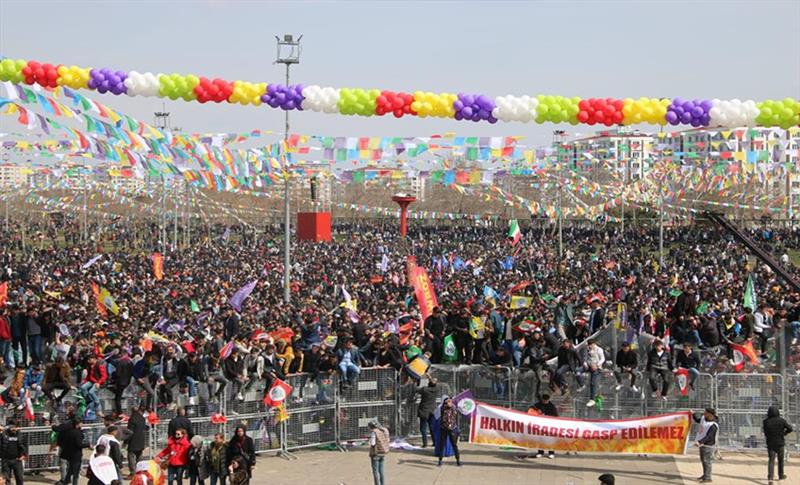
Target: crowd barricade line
[(320, 412)]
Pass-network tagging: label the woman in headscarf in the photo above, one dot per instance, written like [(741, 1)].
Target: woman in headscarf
[(444, 430), (241, 446)]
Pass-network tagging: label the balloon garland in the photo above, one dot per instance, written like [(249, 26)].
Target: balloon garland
[(733, 113)]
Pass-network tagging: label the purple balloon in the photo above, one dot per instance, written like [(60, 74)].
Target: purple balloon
[(492, 120), (467, 112), (271, 88), (458, 105), (469, 100), (678, 110), (484, 114), (476, 117), (459, 116), (672, 117), (686, 117), (695, 122), (265, 98), (697, 112), (707, 104), (705, 119)]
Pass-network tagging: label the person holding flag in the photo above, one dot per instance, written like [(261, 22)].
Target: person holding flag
[(690, 361)]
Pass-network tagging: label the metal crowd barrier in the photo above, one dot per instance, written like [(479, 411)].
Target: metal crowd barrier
[(321, 412)]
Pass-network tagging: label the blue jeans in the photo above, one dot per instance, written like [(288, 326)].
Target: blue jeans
[(192, 386), (594, 376), (693, 374), (350, 371), (89, 392), (322, 397), (377, 470), (5, 352), (35, 348)]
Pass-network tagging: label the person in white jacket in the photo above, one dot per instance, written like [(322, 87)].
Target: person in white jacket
[(762, 323), (595, 357)]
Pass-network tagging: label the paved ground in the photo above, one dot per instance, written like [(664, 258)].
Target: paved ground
[(489, 466)]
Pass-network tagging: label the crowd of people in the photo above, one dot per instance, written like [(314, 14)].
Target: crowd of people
[(352, 307)]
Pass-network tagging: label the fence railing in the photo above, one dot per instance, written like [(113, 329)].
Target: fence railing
[(322, 412)]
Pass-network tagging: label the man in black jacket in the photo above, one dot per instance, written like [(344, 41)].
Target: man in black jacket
[(775, 430), (123, 373), (137, 427), (13, 452), (568, 361), (426, 407), (180, 421), (70, 443), (689, 360), (547, 408), (659, 363), (626, 362)]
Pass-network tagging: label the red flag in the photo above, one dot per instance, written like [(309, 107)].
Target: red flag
[(518, 286), (277, 393), (158, 266), (743, 353), (682, 378), (3, 294), (226, 350), (29, 414), (423, 289)]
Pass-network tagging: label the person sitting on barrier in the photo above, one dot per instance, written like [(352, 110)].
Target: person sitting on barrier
[(195, 371), (241, 448), (13, 451), (568, 361), (535, 357), (626, 362), (659, 363), (216, 377), (169, 377), (177, 454), (254, 367), (33, 381), (14, 394), (595, 357), (273, 366), (95, 378), (349, 364), (689, 360), (234, 370), (144, 376)]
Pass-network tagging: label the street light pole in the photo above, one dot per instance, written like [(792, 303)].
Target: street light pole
[(288, 54)]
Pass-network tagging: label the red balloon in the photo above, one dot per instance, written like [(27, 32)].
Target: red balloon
[(583, 116), (398, 113)]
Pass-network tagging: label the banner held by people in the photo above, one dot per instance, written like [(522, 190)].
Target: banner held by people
[(665, 434)]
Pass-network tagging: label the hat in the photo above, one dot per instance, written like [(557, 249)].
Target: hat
[(711, 411), (626, 344), (606, 479), (374, 423)]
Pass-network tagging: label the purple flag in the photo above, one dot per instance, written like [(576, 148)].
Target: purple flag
[(241, 294), (464, 402), (161, 325)]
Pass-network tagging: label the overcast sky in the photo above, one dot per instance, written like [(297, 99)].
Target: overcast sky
[(706, 49)]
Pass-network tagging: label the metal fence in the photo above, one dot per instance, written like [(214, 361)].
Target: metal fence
[(322, 412)]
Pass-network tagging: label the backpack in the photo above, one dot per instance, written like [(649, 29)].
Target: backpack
[(381, 441)]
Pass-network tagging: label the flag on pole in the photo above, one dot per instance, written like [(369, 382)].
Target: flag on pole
[(158, 266), (29, 414), (241, 294), (108, 301), (3, 294), (89, 263), (520, 302), (226, 350), (743, 353), (98, 300), (195, 307), (750, 293), (682, 378), (277, 393), (513, 231)]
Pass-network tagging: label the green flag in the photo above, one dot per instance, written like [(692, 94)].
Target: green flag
[(450, 351), (750, 293), (195, 307)]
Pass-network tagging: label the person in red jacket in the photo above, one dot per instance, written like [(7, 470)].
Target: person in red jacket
[(177, 450), (5, 340), (95, 378)]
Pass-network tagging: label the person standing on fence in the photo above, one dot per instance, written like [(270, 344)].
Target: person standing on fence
[(627, 362), (447, 432), (378, 449), (775, 430), (241, 448), (659, 363), (426, 407), (13, 452), (706, 440)]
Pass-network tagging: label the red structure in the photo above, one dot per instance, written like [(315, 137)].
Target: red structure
[(403, 201), (314, 226)]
